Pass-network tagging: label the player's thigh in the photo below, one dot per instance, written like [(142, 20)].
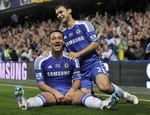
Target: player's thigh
[(100, 75), (86, 82), (50, 98), (86, 90), (102, 81), (86, 86), (78, 98)]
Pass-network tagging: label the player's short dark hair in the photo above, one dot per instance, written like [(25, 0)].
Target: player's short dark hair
[(56, 31), (67, 6)]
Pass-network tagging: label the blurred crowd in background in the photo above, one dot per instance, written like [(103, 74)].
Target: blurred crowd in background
[(122, 36)]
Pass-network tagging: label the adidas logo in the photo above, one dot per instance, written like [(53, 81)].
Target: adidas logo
[(50, 67), (65, 37)]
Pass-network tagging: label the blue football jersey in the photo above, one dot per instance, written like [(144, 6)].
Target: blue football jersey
[(79, 37), (57, 73)]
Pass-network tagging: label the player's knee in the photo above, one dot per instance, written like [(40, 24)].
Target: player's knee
[(106, 89), (85, 90), (45, 94), (50, 99)]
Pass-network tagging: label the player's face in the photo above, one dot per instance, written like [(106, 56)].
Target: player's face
[(63, 14), (56, 41)]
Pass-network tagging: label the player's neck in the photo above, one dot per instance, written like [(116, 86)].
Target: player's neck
[(57, 55), (70, 23)]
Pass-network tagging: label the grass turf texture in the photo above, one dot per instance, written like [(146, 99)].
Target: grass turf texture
[(9, 105)]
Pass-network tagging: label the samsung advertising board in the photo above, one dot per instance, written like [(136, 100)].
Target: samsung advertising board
[(121, 73), (20, 70), (13, 71), (7, 4)]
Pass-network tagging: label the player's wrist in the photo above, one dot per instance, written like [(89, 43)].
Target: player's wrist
[(74, 89)]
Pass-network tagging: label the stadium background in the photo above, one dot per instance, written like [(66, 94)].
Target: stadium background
[(133, 76), (44, 9), (131, 73)]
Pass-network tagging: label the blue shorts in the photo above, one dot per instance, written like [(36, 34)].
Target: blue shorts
[(62, 89), (89, 76)]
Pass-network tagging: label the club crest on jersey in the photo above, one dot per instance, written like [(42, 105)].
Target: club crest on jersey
[(78, 31), (66, 65)]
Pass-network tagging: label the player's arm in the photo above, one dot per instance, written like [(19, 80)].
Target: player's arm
[(69, 96), (76, 85), (76, 82), (92, 46), (44, 87), (90, 33)]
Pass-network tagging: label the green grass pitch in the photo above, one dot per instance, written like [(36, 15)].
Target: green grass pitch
[(8, 103)]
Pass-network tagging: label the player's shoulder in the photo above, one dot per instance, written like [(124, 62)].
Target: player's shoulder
[(63, 29), (81, 22), (65, 55), (41, 59), (85, 25)]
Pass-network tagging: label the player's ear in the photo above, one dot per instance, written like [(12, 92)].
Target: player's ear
[(70, 10)]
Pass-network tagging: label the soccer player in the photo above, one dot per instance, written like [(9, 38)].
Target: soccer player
[(81, 42), (59, 79)]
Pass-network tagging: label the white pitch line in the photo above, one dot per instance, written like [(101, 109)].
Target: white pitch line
[(105, 95), (15, 85)]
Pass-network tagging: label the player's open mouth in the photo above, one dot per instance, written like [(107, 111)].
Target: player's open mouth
[(57, 46), (61, 18)]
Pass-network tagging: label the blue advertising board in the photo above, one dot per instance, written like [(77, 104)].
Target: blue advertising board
[(7, 4)]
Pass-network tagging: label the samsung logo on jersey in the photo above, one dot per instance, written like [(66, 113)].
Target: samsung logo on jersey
[(81, 38), (58, 73)]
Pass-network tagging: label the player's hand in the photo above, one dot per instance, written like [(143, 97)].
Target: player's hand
[(59, 97), (69, 96), (72, 55)]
